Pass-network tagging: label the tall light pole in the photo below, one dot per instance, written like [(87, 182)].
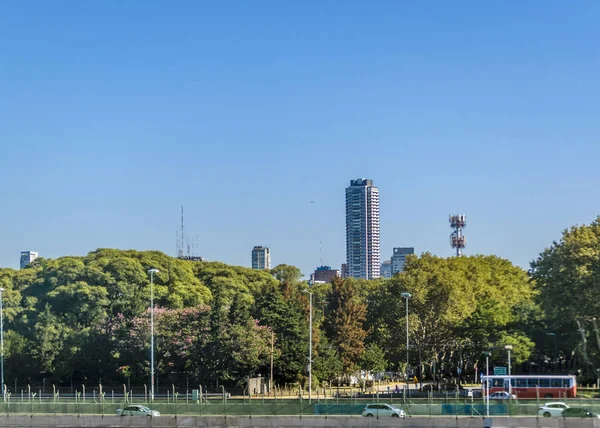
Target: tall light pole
[(407, 296), (555, 349), (310, 295), (152, 272), (2, 346), (509, 348), (487, 382)]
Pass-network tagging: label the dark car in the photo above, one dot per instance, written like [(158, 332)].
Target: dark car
[(577, 412)]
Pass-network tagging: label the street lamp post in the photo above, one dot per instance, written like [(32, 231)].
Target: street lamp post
[(2, 347), (487, 382), (407, 296), (509, 348), (152, 272), (310, 296)]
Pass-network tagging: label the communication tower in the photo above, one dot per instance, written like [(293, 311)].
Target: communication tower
[(184, 242), (457, 240)]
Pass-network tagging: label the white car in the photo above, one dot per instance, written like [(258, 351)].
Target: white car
[(137, 410), (502, 395), (382, 411), (552, 410)]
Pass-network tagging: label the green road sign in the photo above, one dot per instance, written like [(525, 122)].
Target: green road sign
[(500, 371)]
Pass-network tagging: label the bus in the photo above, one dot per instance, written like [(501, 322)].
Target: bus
[(531, 386)]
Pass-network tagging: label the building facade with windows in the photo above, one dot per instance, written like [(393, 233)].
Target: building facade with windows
[(27, 257), (399, 258), (362, 230), (386, 269), (261, 258), (324, 274), (344, 271)]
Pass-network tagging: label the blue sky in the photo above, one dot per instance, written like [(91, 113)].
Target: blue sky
[(114, 114)]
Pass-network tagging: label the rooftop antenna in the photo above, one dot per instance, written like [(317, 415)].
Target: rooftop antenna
[(181, 241), (457, 239), (320, 254)]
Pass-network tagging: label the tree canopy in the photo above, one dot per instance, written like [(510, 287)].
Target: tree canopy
[(87, 318), (567, 276)]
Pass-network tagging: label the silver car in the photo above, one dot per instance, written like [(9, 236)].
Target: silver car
[(502, 395), (137, 410), (552, 410), (382, 411)]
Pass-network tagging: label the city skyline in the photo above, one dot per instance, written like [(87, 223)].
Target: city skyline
[(255, 116)]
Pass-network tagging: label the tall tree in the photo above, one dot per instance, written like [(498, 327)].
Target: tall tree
[(285, 311), (344, 320), (458, 307), (567, 275)]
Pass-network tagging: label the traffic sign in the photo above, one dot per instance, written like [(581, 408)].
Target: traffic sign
[(499, 371)]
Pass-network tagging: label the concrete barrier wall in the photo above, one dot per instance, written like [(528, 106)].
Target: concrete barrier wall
[(285, 422)]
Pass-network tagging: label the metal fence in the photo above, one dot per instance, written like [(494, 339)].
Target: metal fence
[(213, 406)]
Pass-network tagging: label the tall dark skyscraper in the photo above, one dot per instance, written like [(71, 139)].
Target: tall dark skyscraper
[(362, 230)]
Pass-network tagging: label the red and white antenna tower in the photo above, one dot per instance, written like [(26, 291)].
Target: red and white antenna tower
[(457, 240)]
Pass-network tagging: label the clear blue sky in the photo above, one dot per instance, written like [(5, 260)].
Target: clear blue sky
[(113, 114)]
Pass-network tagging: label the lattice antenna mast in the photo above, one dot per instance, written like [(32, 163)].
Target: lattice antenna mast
[(458, 241), (182, 237)]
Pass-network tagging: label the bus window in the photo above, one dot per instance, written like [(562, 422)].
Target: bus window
[(544, 383), (498, 383), (556, 383), (566, 382), (521, 383), (533, 382)]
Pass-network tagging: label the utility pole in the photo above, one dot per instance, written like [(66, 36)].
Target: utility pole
[(310, 350), (487, 382), (407, 296), (152, 272), (272, 351)]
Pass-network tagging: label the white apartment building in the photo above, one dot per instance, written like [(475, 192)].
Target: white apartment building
[(27, 257), (261, 258), (362, 230)]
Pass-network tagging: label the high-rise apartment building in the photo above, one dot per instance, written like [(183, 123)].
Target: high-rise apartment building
[(261, 258), (362, 230), (399, 258), (386, 269), (27, 257)]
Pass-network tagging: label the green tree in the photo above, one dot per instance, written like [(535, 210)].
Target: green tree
[(374, 359), (567, 275), (327, 364), (459, 307), (286, 273), (285, 311), (344, 320)]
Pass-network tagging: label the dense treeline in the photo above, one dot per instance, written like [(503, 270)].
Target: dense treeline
[(567, 276), (86, 319)]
